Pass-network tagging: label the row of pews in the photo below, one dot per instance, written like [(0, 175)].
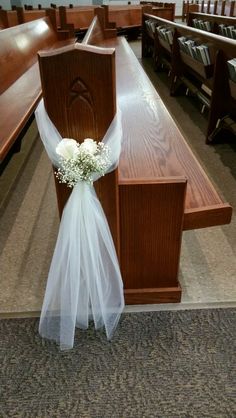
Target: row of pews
[(20, 87), (203, 62), (15, 75), (126, 18), (222, 8), (211, 23), (159, 189)]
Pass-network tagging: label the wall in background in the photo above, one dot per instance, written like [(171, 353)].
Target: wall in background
[(6, 4)]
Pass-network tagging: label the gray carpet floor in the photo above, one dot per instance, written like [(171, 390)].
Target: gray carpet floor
[(159, 365)]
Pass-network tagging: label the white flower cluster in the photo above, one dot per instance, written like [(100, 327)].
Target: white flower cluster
[(79, 162)]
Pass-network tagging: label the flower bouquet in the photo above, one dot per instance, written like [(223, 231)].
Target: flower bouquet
[(79, 162)]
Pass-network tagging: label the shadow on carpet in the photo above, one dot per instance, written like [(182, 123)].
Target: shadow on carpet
[(159, 364)]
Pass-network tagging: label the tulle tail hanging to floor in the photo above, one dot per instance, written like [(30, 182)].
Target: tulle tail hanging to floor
[(84, 280)]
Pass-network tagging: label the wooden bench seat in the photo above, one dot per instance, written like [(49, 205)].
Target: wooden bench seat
[(162, 150), (159, 189), (20, 85)]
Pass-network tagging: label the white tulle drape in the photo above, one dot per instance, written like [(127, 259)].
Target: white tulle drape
[(84, 280)]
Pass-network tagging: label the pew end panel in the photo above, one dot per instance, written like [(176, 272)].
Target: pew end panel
[(152, 213), (8, 18), (78, 18), (223, 99), (78, 85), (208, 82)]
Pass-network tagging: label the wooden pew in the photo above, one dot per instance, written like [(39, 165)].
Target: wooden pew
[(20, 88), (164, 12), (214, 20), (78, 17), (128, 19), (159, 189), (221, 8), (198, 78), (189, 7), (29, 15), (232, 11), (8, 18)]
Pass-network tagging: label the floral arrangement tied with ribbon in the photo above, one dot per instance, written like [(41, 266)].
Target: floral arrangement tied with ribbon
[(79, 162)]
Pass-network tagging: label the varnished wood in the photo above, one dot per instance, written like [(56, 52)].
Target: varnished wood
[(209, 216), (20, 85), (29, 15), (222, 102), (183, 65), (232, 9), (152, 295), (124, 17), (151, 228), (13, 41), (77, 64), (216, 20), (221, 8), (164, 12), (83, 107), (100, 28), (215, 7), (187, 8), (153, 150), (223, 4), (146, 200), (8, 18), (79, 17)]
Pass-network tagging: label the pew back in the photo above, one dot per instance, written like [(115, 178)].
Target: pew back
[(193, 73), (124, 17), (80, 17), (214, 20), (25, 16), (8, 18), (19, 47), (19, 77)]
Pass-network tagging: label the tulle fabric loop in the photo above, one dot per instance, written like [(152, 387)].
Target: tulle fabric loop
[(84, 280)]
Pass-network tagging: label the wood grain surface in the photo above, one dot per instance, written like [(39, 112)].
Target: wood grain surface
[(153, 146), (20, 85)]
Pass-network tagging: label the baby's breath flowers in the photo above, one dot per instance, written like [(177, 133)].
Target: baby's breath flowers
[(79, 162)]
